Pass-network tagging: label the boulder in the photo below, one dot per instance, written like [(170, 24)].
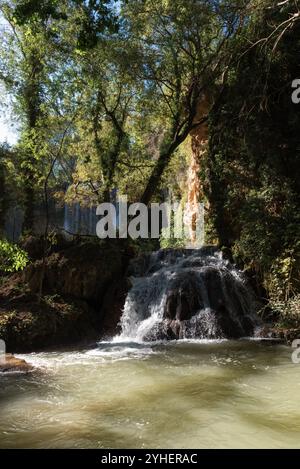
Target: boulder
[(9, 363)]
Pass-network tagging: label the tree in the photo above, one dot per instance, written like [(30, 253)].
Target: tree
[(181, 45), (3, 189), (38, 40), (107, 97), (24, 61)]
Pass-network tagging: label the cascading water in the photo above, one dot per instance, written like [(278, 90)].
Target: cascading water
[(188, 294)]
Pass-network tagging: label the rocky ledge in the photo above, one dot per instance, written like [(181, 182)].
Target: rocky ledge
[(77, 299)]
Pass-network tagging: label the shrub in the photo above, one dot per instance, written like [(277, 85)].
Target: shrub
[(12, 257)]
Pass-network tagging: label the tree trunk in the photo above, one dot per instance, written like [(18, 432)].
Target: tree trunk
[(168, 147), (3, 198), (29, 204), (155, 178), (167, 150), (32, 98)]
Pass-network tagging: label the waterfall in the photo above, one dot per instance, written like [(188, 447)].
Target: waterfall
[(80, 219), (187, 294)]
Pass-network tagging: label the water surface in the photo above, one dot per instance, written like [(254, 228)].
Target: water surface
[(184, 394)]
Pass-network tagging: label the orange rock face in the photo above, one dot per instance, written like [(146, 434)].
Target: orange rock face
[(195, 193)]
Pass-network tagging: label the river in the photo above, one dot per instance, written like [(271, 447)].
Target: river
[(180, 394)]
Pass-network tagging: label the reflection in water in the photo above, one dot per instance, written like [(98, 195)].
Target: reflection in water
[(184, 394)]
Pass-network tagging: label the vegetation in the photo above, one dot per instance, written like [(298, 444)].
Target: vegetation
[(252, 178), (107, 94), (12, 257)]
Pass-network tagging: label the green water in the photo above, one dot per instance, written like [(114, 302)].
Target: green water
[(242, 394)]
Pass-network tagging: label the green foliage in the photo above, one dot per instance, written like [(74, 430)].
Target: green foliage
[(253, 166), (27, 10), (168, 237), (288, 311), (10, 182), (107, 104), (93, 17), (12, 257), (172, 242), (106, 94)]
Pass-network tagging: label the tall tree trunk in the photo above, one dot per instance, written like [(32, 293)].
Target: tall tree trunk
[(155, 177), (29, 203), (32, 98), (3, 196), (108, 161)]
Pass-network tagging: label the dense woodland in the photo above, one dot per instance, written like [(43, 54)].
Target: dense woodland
[(106, 95)]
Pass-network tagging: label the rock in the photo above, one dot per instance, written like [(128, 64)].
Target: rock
[(184, 300), (193, 294), (113, 305), (9, 363), (27, 324), (83, 297), (34, 245), (82, 272), (284, 334)]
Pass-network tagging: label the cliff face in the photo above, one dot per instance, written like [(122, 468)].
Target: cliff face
[(199, 137)]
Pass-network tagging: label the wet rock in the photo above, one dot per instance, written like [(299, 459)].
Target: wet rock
[(9, 363), (164, 330), (113, 305), (183, 297)]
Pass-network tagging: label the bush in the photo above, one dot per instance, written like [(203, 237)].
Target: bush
[(288, 312), (12, 257)]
